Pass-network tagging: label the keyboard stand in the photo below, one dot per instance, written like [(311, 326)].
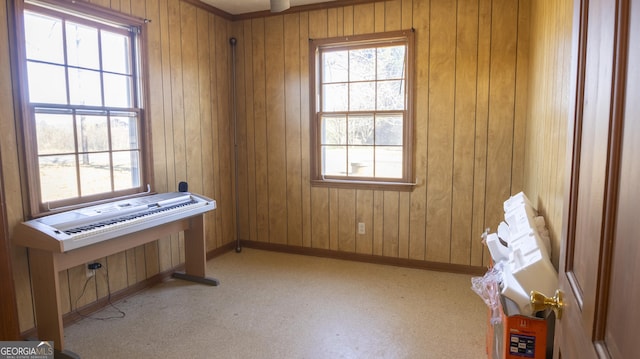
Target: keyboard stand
[(46, 264)]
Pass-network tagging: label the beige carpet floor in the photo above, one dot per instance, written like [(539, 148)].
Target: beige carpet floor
[(276, 305)]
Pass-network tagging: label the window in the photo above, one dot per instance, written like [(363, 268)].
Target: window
[(83, 117), (361, 111)]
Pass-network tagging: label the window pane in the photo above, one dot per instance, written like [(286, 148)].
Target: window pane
[(46, 83), (43, 35), (389, 130), (391, 95), (84, 87), (335, 66), (362, 65), (334, 160), (54, 133), (388, 162), (117, 91), (334, 98), (361, 161), (361, 130), (115, 53), (95, 173), (362, 96), (82, 46), (93, 133), (57, 177), (126, 169), (334, 130), (391, 62), (124, 133)]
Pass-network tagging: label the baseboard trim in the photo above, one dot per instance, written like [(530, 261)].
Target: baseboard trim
[(367, 258), (73, 317)]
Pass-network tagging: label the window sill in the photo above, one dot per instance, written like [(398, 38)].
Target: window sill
[(359, 184)]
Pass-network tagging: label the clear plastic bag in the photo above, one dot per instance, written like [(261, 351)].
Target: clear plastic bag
[(488, 288)]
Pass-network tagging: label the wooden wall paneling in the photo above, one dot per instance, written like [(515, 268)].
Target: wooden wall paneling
[(378, 222), (242, 132), (392, 15), (81, 294), (12, 192), (225, 140), (259, 110), (404, 221), (119, 277), (340, 21), (417, 212), (521, 84), (276, 129), (102, 279), (501, 105), (547, 111), (364, 214), (390, 224), (440, 141), (551, 203), (77, 277), (178, 117), (332, 22), (293, 93), (158, 254), (213, 229), (550, 120), (320, 218), (138, 9), (65, 300), (304, 129), (407, 14), (555, 198), (533, 112), (215, 134), (464, 134), (117, 266), (379, 16), (103, 3), (347, 220), (403, 15), (205, 117), (127, 7), (246, 41), (348, 17), (320, 221), (478, 250), (194, 143), (363, 19), (334, 217)]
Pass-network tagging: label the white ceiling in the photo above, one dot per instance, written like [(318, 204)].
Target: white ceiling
[(236, 7)]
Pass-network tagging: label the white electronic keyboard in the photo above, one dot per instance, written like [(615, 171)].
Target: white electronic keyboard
[(77, 228)]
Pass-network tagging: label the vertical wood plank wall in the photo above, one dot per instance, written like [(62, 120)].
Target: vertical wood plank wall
[(189, 65), (547, 112), (490, 120), (470, 95)]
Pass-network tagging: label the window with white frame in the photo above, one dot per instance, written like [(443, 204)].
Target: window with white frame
[(361, 110), (83, 118)]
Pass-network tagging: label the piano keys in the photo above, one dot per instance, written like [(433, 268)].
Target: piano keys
[(73, 229), (68, 239)]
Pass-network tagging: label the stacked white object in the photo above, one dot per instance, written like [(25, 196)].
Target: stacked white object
[(522, 244)]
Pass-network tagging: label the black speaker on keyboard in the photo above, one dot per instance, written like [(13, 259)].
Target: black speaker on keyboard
[(183, 187)]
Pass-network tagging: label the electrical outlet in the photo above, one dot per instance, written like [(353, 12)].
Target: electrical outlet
[(361, 228), (91, 268)]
